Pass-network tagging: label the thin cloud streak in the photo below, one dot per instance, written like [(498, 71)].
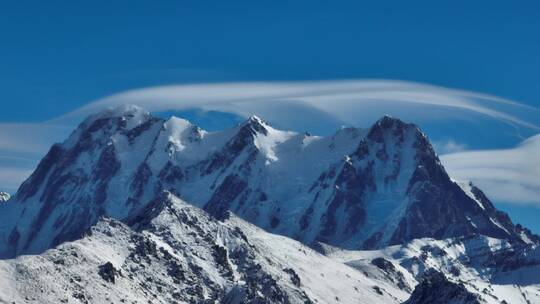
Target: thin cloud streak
[(507, 175), (21, 147), (12, 177), (323, 95), (449, 146), (26, 139)]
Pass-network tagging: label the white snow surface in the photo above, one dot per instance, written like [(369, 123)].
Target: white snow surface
[(468, 261), (70, 273), (185, 236)]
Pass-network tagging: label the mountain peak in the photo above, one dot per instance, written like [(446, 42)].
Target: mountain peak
[(121, 111), (255, 118), (254, 125), (387, 122), (127, 109), (129, 115), (389, 126)]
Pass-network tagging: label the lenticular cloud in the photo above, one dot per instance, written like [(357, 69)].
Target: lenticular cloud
[(347, 101), (449, 116), (507, 175)]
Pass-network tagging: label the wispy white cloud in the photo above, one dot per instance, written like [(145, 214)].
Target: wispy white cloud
[(449, 146), (305, 105), (21, 147), (348, 101), (29, 139), (12, 177), (506, 175)]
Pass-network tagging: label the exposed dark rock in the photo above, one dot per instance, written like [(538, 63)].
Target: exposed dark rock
[(436, 288), (295, 279), (221, 257), (225, 195), (171, 173), (392, 273), (378, 290), (238, 143), (350, 185), (108, 272)]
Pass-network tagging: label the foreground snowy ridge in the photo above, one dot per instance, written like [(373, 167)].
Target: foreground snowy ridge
[(162, 211), (179, 254), (176, 253)]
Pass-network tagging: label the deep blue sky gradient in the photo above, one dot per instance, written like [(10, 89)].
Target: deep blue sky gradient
[(61, 54)]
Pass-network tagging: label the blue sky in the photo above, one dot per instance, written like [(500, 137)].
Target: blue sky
[(58, 56), (71, 52)]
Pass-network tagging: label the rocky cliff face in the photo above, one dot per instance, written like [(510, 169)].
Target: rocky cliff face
[(355, 189)]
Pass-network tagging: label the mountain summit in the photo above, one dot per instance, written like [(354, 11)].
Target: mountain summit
[(356, 189)]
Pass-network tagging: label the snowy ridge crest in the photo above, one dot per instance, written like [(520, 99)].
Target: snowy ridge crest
[(355, 189)]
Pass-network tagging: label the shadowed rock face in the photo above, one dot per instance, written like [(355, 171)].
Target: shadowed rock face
[(436, 288), (355, 189), (391, 273), (225, 194)]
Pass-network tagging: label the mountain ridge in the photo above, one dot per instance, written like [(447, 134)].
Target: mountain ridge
[(177, 253), (157, 210), (354, 189)]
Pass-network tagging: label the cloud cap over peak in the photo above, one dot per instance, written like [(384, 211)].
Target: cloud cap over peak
[(455, 120), (346, 100)]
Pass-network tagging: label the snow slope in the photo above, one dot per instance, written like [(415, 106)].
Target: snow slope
[(173, 252), (176, 253), (492, 269)]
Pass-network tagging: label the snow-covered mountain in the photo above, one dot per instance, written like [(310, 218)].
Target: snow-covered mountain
[(110, 202), (355, 189)]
